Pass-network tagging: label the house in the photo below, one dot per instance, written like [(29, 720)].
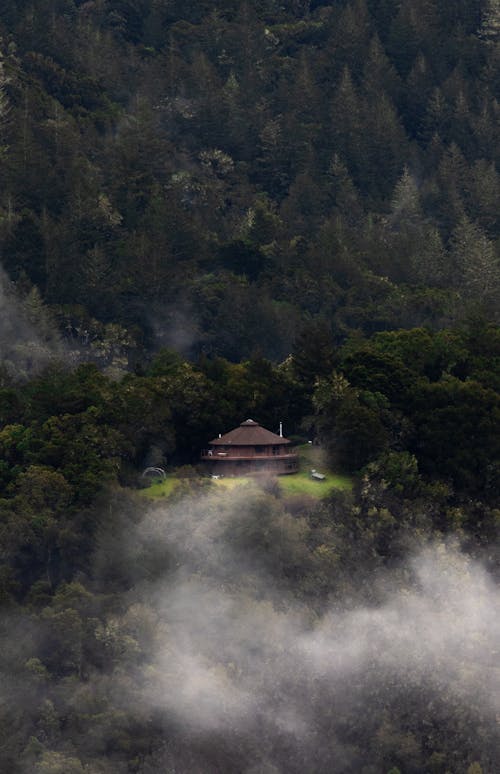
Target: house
[(249, 450)]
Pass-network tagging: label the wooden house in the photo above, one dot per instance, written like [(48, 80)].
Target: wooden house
[(249, 450)]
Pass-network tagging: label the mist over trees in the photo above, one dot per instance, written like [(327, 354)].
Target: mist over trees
[(285, 211)]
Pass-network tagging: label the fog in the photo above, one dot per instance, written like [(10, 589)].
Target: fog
[(174, 327), (207, 633), (26, 345), (235, 654)]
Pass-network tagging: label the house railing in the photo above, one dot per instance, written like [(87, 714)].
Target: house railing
[(233, 454)]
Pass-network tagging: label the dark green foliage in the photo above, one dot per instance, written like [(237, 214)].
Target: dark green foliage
[(419, 392), (295, 206), (147, 147), (456, 430)]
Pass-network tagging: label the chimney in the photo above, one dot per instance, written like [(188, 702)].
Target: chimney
[(281, 429)]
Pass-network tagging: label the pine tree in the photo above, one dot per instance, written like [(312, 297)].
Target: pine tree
[(273, 161), (485, 126), (430, 261), (378, 72), (452, 178), (387, 146), (418, 90), (476, 266), (437, 117), (489, 30), (314, 352), (236, 125), (403, 40), (303, 208), (405, 205), (303, 117), (347, 122), (342, 193), (483, 196), (350, 37), (460, 125), (4, 108)]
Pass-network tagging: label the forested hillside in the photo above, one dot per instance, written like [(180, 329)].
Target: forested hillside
[(285, 211), (212, 176)]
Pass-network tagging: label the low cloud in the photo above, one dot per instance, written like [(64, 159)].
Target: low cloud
[(28, 340), (237, 656), (175, 326), (204, 650)]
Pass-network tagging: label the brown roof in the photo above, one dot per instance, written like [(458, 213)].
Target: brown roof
[(249, 433)]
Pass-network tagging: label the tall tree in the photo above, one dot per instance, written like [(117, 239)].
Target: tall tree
[(489, 30), (379, 74), (476, 265)]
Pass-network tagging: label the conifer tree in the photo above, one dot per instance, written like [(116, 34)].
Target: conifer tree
[(4, 107), (341, 191), (489, 30), (405, 204), (403, 40), (485, 128), (347, 121), (386, 146), (304, 116), (476, 265), (430, 261), (417, 93), (350, 37), (378, 73), (483, 196), (436, 118), (452, 177)]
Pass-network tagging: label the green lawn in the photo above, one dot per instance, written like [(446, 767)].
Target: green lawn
[(162, 487), (296, 483), (231, 483), (302, 483)]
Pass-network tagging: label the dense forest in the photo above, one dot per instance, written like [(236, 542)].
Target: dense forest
[(210, 178), (285, 211)]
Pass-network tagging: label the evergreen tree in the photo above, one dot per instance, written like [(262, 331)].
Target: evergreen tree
[(314, 352), (483, 195), (489, 30), (341, 191), (379, 74), (476, 265), (430, 261), (386, 147), (403, 39), (452, 177), (350, 37), (418, 90), (437, 117), (405, 204), (347, 122)]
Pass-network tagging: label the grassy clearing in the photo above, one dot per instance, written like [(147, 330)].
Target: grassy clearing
[(313, 457), (296, 483), (232, 483), (162, 487), (301, 483)]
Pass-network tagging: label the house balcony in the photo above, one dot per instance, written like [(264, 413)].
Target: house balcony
[(236, 463), (212, 456)]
